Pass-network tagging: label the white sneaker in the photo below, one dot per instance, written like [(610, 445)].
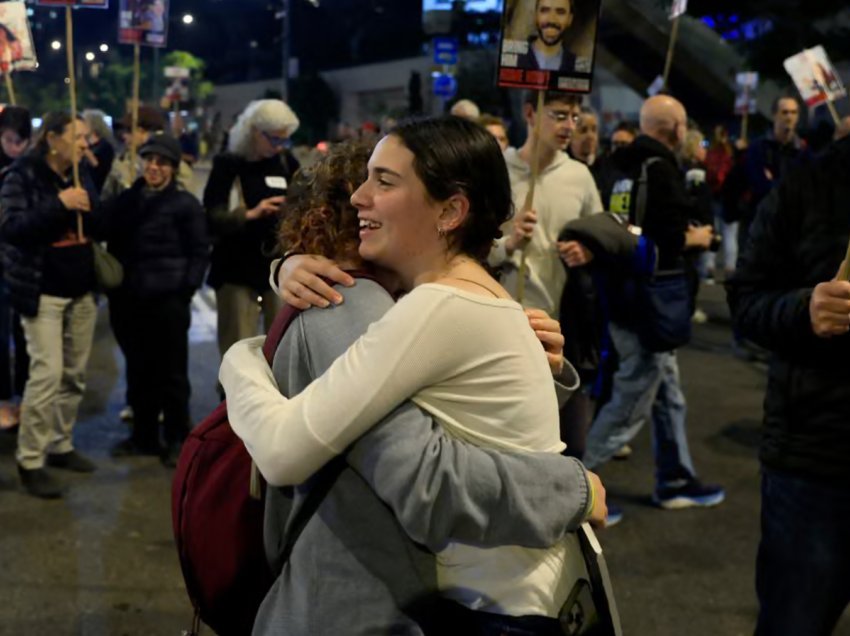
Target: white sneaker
[(699, 317), (126, 414), (624, 453)]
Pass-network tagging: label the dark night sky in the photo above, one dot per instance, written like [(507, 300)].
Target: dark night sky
[(241, 39)]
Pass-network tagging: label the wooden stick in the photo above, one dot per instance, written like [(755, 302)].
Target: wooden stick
[(75, 161), (134, 108), (668, 64), (529, 197), (835, 118), (844, 271), (10, 87)]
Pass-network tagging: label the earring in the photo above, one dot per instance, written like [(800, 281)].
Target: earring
[(441, 232)]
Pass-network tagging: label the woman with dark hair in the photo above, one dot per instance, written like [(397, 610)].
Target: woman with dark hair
[(456, 345), (50, 273), (15, 134)]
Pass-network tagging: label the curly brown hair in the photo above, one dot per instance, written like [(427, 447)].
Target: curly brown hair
[(318, 217)]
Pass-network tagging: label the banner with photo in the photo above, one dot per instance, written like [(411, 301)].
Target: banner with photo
[(80, 4), (17, 51), (143, 22), (746, 90), (815, 77), (549, 44)]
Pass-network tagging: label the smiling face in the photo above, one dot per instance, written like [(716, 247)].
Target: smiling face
[(553, 18), (398, 220), (157, 171)]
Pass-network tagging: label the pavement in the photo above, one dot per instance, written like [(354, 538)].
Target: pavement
[(101, 562)]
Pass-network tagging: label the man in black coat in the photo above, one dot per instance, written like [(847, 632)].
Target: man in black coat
[(785, 296), (646, 384)]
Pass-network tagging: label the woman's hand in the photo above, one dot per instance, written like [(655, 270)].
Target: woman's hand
[(266, 207), (599, 512), (75, 199), (300, 284), (548, 331)]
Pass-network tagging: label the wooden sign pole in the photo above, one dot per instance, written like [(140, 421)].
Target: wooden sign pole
[(134, 108), (668, 64), (69, 39), (10, 87), (529, 197)]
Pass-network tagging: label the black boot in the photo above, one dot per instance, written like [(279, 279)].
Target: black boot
[(39, 483), (73, 461)]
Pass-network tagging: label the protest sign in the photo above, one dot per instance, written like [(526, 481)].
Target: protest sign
[(548, 44), (81, 4), (746, 88), (815, 77), (143, 22), (17, 52), (679, 7)]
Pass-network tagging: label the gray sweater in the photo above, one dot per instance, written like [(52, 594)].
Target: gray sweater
[(364, 562)]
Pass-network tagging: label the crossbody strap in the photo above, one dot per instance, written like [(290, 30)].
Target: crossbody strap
[(643, 180)]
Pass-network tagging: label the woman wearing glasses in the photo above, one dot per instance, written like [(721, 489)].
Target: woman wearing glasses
[(243, 197)]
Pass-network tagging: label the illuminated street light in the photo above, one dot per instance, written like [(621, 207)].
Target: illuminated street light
[(56, 45), (90, 57), (188, 18), (104, 48)]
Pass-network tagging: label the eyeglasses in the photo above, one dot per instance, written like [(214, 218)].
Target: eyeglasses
[(275, 140), (561, 117)]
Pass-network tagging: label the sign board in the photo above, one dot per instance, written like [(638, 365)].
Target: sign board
[(143, 22), (746, 89), (177, 72), (17, 52), (79, 4), (656, 86), (445, 85), (446, 51), (679, 7), (470, 6), (548, 44), (815, 76)]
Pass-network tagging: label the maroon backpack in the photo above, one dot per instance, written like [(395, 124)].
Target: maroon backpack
[(218, 524)]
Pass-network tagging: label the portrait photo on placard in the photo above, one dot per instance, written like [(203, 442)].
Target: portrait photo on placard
[(548, 44), (143, 22)]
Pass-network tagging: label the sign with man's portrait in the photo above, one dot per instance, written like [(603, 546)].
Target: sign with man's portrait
[(17, 52), (746, 91), (143, 22), (548, 44), (815, 76)]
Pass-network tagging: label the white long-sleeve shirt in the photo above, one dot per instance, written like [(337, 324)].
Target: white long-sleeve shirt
[(469, 360)]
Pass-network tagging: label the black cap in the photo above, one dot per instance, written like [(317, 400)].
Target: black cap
[(164, 145)]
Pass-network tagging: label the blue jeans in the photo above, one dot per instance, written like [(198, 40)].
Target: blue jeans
[(646, 385), (803, 564)]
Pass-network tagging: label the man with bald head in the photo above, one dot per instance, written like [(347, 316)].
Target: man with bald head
[(646, 384)]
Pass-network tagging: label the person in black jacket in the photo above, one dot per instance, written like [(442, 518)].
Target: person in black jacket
[(49, 269), (785, 296), (15, 136), (243, 199), (646, 384), (158, 233)]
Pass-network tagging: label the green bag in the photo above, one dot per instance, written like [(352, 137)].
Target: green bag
[(107, 269)]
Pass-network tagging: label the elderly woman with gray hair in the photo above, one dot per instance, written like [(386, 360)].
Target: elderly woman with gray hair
[(101, 151), (243, 198)]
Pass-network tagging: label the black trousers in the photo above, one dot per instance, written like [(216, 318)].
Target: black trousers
[(155, 332)]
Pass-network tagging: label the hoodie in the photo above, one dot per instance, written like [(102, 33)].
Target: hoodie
[(669, 208), (565, 191)]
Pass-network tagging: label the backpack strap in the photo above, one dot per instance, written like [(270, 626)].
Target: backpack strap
[(642, 189)]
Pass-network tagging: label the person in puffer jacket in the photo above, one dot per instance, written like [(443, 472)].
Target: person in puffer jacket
[(159, 234), (49, 269)]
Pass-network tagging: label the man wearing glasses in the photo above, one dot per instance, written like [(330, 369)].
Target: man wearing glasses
[(564, 191)]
